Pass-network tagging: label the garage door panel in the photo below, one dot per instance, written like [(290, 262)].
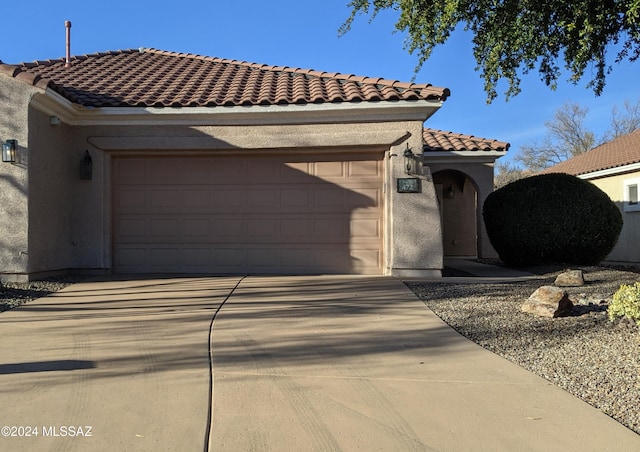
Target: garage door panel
[(228, 229), (369, 169), (164, 229), (295, 198), (252, 229), (164, 258), (266, 229), (329, 199), (163, 200), (230, 200), (162, 171), (331, 229), (248, 259), (200, 199), (130, 172), (131, 229), (238, 215), (365, 197), (195, 229), (130, 200), (330, 169), (233, 258), (263, 198), (365, 228), (365, 260), (261, 171), (195, 170), (297, 171), (261, 259), (296, 229), (196, 258)]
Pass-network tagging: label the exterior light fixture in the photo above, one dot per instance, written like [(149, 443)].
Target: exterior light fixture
[(9, 151), (409, 160), (86, 167)]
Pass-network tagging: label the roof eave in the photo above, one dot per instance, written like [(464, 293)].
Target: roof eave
[(468, 155), (610, 171), (344, 112)]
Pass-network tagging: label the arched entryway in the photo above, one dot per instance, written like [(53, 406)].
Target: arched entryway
[(458, 199)]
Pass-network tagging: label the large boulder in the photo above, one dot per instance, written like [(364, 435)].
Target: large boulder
[(548, 301)]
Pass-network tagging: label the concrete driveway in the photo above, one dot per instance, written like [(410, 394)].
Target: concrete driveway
[(295, 363)]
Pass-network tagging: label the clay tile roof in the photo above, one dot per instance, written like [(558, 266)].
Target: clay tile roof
[(624, 150), (439, 140), (156, 78)]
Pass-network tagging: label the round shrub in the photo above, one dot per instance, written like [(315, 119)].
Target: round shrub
[(551, 218)]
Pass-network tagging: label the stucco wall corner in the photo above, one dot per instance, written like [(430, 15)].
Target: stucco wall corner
[(416, 245), (14, 179)]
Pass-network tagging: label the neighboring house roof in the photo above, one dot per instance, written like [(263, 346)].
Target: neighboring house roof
[(156, 78), (622, 151), (441, 141)]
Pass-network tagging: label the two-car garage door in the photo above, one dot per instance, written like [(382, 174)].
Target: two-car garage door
[(248, 214)]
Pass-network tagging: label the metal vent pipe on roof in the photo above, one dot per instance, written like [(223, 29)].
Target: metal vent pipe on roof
[(67, 62)]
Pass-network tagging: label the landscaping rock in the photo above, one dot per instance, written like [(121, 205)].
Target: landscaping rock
[(571, 278), (548, 301)]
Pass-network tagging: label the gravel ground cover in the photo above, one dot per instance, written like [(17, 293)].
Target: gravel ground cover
[(14, 294), (586, 354)]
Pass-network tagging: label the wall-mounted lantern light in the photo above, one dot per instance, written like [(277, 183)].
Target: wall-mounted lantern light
[(9, 151), (86, 167), (409, 160)]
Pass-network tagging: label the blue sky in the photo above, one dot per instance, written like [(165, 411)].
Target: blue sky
[(304, 33)]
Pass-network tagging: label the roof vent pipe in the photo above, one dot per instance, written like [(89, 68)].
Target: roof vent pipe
[(67, 25)]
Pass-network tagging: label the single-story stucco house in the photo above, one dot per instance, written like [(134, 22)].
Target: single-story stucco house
[(614, 167), (148, 161)]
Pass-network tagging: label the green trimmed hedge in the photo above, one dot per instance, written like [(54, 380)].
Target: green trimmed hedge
[(551, 218)]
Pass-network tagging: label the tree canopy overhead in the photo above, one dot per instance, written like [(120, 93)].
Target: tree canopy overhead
[(515, 37)]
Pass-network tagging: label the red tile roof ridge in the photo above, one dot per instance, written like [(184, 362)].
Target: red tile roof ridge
[(20, 71), (49, 62)]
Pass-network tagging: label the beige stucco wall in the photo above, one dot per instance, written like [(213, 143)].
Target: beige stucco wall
[(627, 250), (14, 213), (481, 175), (412, 235), (51, 194), (414, 218)]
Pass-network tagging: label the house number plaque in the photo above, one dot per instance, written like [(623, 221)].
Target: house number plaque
[(408, 185)]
